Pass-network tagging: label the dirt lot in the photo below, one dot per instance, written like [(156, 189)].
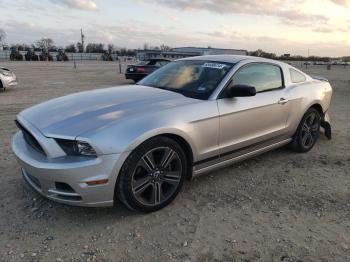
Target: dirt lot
[(280, 206)]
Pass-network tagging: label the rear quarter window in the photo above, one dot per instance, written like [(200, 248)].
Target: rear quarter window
[(296, 76)]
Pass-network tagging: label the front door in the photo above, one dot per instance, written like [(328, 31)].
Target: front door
[(246, 121)]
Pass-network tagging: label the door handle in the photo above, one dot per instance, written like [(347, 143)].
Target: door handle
[(282, 101)]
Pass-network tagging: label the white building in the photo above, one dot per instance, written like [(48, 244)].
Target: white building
[(182, 52), (211, 51)]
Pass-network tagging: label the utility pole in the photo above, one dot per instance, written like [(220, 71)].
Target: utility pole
[(82, 39)]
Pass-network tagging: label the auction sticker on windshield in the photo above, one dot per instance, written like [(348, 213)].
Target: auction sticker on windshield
[(214, 65)]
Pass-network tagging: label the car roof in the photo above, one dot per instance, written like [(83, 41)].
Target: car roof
[(234, 59)]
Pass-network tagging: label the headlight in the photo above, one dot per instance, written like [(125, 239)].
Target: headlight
[(76, 148), (85, 149), (6, 73)]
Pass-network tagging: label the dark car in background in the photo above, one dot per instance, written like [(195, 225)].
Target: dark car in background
[(144, 68)]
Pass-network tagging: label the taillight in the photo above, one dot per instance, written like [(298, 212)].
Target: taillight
[(140, 70)]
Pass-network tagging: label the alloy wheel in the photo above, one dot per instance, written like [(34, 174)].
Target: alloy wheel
[(157, 176), (309, 130)]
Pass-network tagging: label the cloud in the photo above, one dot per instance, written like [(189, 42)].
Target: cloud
[(29, 33), (133, 33), (286, 11), (275, 44), (87, 5), (345, 3)]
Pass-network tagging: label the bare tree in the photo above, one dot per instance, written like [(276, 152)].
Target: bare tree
[(165, 47), (110, 48), (2, 35), (80, 47), (45, 44), (95, 48), (70, 48)]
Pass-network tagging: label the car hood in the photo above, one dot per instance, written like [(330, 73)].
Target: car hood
[(73, 115)]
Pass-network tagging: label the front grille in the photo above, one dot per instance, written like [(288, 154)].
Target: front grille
[(30, 139)]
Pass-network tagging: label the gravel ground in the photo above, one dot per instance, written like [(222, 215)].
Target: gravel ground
[(280, 206)]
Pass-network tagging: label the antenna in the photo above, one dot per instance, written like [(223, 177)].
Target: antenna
[(82, 39)]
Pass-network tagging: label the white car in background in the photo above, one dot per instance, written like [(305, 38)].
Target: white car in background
[(7, 78)]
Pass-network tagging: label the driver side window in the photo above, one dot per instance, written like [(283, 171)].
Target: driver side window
[(264, 77)]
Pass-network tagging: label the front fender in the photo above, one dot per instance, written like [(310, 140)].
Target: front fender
[(194, 123), (161, 131)]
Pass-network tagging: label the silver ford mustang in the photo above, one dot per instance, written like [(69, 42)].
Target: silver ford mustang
[(138, 143)]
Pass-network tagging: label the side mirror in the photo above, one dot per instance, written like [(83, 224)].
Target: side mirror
[(240, 91)]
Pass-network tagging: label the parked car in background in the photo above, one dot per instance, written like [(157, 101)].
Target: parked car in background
[(320, 63), (7, 78), (139, 143), (144, 68)]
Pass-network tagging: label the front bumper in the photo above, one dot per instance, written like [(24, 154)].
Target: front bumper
[(63, 179), (135, 76)]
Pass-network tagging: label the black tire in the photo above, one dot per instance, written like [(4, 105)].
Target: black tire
[(307, 132), (157, 192)]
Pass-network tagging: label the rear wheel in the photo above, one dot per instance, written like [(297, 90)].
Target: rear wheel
[(307, 132), (152, 175)]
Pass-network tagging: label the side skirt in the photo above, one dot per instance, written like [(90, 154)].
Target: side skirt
[(236, 156)]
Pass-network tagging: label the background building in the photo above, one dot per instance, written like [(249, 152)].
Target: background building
[(182, 52), (211, 51)]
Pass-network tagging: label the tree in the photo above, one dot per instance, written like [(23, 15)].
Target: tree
[(2, 35), (70, 48), (95, 48), (110, 49), (261, 53), (131, 52), (80, 47), (165, 47), (346, 59), (122, 51), (45, 44)]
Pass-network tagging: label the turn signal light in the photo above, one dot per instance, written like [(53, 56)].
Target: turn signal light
[(97, 182)]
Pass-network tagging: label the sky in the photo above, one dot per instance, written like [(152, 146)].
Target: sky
[(299, 27)]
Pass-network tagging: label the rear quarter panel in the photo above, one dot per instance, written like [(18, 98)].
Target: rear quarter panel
[(305, 95)]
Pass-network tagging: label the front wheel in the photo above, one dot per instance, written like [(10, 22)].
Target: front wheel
[(307, 133), (152, 175)]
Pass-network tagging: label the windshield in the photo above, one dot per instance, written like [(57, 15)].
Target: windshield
[(196, 79)]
